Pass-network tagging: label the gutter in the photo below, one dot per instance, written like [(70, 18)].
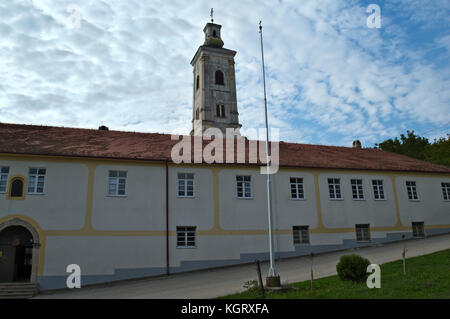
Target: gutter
[(167, 220)]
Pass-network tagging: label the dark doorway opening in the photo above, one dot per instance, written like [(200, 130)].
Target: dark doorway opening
[(16, 251)]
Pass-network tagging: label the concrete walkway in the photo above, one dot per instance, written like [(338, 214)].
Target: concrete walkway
[(224, 281)]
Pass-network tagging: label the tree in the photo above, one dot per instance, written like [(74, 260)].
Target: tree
[(419, 147), (439, 151)]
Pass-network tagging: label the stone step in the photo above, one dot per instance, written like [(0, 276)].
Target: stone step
[(23, 284), (18, 290)]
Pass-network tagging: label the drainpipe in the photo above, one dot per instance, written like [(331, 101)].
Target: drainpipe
[(167, 220)]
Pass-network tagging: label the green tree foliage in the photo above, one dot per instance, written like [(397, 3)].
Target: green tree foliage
[(352, 267), (419, 147), (439, 151)]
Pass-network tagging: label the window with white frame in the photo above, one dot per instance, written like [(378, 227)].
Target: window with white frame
[(357, 189), (185, 185), (362, 232), (244, 186), (186, 236), (297, 191), (117, 183), (36, 180), (412, 190), (4, 172), (418, 229), (446, 191), (334, 186), (300, 234), (378, 190)]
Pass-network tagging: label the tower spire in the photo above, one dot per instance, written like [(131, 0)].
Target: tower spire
[(212, 15)]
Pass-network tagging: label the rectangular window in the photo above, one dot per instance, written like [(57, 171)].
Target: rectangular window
[(297, 191), (301, 234), (117, 183), (412, 190), (220, 110), (418, 229), (4, 172), (36, 179), (446, 190), (185, 185), (378, 190), (357, 189), (244, 186), (185, 236), (334, 186), (362, 232)]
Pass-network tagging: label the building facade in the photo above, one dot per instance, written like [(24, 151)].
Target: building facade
[(116, 204)]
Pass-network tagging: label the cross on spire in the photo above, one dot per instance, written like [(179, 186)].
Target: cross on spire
[(212, 14)]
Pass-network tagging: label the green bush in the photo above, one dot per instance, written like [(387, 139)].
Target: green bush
[(353, 267)]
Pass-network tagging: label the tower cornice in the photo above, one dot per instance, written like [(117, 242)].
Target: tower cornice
[(205, 48)]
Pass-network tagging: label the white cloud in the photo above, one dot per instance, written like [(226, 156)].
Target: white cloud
[(330, 78)]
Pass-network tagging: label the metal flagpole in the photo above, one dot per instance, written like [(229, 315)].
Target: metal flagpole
[(272, 269)]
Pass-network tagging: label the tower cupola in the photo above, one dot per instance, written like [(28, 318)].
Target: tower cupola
[(212, 35)]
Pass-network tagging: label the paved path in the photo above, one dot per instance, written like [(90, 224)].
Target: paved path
[(220, 282)]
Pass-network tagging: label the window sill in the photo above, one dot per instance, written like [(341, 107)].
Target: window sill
[(298, 199), (119, 196), (414, 200), (245, 198), (336, 199), (182, 247), (380, 199), (359, 199), (187, 197), (35, 193), (303, 244)]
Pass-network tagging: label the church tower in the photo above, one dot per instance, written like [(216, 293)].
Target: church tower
[(214, 101)]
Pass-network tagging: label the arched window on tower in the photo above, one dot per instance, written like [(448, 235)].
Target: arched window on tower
[(214, 34), (219, 78), (197, 85)]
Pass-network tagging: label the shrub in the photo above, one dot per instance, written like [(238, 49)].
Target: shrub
[(353, 267)]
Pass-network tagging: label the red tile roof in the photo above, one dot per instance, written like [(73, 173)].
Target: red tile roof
[(61, 141)]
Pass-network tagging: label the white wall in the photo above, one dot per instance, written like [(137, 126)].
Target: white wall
[(143, 207), (430, 208), (348, 212), (62, 205)]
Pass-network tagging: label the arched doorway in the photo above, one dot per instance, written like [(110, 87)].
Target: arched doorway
[(19, 245)]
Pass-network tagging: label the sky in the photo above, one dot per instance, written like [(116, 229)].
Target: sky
[(330, 78)]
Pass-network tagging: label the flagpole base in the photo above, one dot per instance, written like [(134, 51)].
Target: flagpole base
[(273, 282)]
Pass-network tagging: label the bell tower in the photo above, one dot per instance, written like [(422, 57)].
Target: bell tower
[(214, 98)]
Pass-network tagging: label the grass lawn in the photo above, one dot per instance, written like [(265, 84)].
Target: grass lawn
[(427, 276)]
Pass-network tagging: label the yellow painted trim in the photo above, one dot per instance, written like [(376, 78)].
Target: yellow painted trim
[(397, 207), (90, 197), (24, 185)]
